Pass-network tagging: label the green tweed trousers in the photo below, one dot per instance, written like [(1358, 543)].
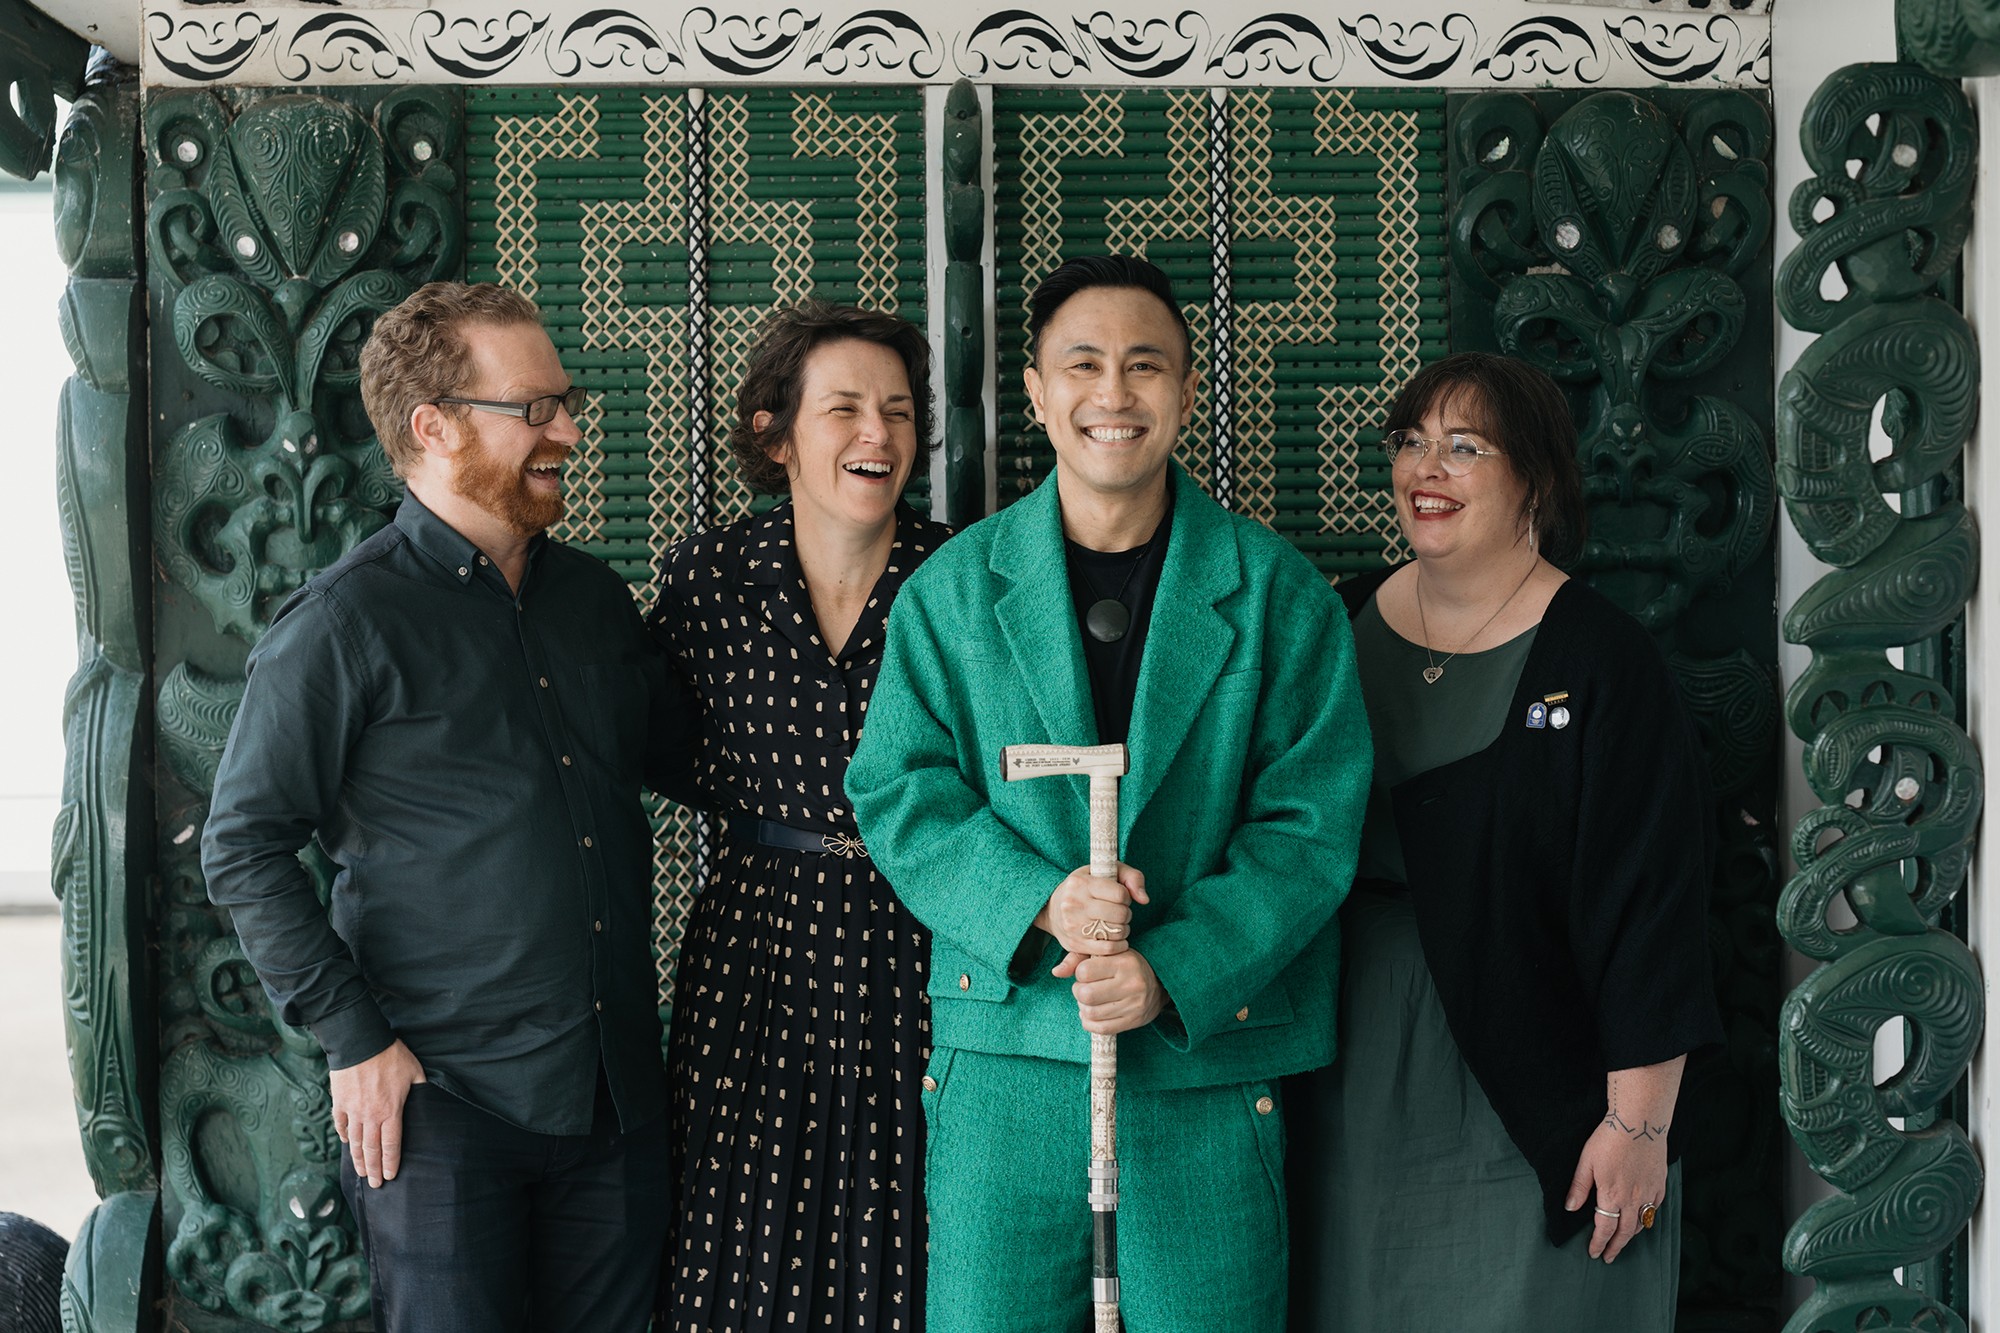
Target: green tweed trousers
[(1202, 1243)]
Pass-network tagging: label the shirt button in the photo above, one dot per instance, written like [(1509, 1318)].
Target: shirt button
[(586, 842), (964, 981), (463, 571), (484, 561), (597, 926), (1264, 1105), (545, 682), (566, 761), (930, 1084)]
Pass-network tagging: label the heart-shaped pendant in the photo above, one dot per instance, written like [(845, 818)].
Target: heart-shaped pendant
[(1431, 674)]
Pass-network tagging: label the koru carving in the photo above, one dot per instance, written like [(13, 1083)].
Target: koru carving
[(1611, 245), (279, 239), (1886, 730)]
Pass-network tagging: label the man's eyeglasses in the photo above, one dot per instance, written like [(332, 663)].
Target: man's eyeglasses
[(536, 411), (1458, 454)]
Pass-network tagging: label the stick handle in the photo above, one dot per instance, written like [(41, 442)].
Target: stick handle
[(1104, 1089)]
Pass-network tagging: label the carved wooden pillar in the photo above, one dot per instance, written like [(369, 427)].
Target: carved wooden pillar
[(1886, 750), (1620, 243), (103, 854), (278, 227)]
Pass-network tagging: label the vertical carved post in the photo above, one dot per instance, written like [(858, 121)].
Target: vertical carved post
[(964, 308), (278, 229), (1609, 240), (1890, 732), (103, 837)]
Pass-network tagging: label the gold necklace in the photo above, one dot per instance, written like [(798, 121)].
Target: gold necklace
[(1436, 668)]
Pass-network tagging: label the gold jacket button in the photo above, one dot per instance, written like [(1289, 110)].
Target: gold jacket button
[(930, 1084), (1243, 1014), (965, 981), (1264, 1105)]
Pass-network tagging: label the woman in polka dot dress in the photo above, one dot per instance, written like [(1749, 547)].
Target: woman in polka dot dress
[(800, 1027)]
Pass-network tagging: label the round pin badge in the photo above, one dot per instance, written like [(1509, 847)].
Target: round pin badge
[(1559, 717)]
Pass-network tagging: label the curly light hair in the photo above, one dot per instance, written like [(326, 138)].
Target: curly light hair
[(417, 354)]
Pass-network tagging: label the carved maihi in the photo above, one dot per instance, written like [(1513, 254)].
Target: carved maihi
[(1610, 244), (279, 236)]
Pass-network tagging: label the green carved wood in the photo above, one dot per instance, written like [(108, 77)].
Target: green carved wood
[(278, 227), (40, 60), (1957, 38), (103, 852), (1899, 779), (964, 307), (1622, 244)]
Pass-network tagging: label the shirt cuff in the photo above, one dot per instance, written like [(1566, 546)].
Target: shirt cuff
[(356, 1033)]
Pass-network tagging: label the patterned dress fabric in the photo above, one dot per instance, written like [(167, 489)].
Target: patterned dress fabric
[(801, 1026)]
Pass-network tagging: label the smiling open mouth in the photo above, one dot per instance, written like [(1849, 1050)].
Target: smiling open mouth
[(870, 468), (1112, 434), (1435, 504)]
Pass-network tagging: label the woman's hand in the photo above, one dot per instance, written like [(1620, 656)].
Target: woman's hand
[(1625, 1159), (1091, 916), (1627, 1174)]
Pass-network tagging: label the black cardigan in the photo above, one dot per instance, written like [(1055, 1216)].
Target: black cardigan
[(1560, 878)]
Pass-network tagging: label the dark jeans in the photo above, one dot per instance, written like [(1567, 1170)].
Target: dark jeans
[(488, 1228)]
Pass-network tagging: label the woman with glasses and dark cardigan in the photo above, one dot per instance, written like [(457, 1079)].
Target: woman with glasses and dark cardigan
[(1525, 965), (801, 1025)]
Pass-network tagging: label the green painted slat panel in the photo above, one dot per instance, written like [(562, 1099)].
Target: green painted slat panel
[(582, 201), (1337, 276)]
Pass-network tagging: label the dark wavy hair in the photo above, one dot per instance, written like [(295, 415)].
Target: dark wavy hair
[(1088, 271), (776, 377), (1519, 409)]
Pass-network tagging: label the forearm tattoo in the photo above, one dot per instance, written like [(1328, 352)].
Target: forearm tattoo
[(1643, 1132)]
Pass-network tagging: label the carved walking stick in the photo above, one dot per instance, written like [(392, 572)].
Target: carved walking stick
[(1104, 764)]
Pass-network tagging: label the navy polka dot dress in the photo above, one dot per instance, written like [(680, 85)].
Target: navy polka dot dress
[(800, 1027)]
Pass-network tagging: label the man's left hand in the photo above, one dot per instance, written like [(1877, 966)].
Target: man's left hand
[(1114, 992)]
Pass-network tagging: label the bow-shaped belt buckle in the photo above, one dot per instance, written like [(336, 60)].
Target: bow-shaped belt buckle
[(843, 844)]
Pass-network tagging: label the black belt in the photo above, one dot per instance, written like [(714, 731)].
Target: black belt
[(772, 834)]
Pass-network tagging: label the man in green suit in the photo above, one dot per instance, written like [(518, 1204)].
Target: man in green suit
[(1117, 602)]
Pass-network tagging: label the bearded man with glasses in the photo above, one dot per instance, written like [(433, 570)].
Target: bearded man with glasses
[(460, 712)]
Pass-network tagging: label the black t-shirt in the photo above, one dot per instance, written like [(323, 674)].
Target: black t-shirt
[(1131, 577)]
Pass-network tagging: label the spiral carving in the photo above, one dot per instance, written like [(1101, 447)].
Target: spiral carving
[(1888, 731)]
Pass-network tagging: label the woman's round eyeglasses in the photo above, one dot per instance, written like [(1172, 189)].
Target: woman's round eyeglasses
[(536, 411), (1458, 454)]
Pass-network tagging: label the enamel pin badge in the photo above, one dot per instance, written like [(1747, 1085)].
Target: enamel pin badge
[(1558, 715), (1538, 716)]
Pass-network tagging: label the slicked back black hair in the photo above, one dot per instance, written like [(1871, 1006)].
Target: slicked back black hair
[(1088, 271)]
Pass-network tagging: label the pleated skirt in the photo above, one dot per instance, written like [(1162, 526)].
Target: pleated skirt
[(800, 1032), (1411, 1208)]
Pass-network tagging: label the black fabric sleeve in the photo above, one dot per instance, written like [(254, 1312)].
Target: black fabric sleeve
[(1644, 856)]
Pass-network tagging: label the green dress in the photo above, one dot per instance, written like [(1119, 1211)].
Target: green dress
[(1411, 1208)]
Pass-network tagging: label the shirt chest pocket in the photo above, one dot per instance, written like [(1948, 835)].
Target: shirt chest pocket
[(609, 720)]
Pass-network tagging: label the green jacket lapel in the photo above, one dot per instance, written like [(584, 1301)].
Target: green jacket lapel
[(1186, 645), (1038, 619)]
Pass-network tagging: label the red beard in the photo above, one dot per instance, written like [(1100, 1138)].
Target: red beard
[(499, 487)]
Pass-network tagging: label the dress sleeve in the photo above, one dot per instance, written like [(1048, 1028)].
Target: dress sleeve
[(304, 707), (679, 712), (1644, 855)]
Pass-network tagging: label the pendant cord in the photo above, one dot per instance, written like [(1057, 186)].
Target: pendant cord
[(1436, 668)]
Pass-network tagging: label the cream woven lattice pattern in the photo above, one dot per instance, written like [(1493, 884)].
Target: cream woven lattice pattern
[(1132, 221), (819, 131), (1346, 506), (611, 323)]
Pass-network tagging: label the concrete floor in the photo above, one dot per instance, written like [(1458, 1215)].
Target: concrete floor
[(41, 1159)]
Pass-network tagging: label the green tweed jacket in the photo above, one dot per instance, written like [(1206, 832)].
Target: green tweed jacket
[(1250, 766)]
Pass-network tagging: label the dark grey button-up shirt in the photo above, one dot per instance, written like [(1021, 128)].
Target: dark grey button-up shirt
[(471, 761)]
